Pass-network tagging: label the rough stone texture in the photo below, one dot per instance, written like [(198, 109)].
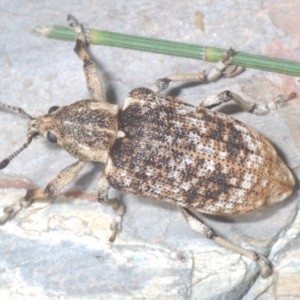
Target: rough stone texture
[(60, 251)]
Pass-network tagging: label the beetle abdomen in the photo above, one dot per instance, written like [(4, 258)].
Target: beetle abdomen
[(194, 157)]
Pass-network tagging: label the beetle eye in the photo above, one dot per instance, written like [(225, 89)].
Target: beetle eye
[(51, 137), (52, 109)]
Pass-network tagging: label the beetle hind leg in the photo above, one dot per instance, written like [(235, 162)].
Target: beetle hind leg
[(199, 226), (223, 68), (255, 108)]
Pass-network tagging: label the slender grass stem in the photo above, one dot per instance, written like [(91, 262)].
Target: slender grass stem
[(207, 53)]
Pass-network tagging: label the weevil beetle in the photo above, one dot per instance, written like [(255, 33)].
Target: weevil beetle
[(159, 147)]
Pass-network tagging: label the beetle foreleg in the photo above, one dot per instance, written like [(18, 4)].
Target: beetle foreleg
[(201, 227), (93, 81), (63, 178)]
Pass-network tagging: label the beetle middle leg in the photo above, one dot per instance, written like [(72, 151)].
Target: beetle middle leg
[(199, 226), (222, 68), (63, 178), (117, 205)]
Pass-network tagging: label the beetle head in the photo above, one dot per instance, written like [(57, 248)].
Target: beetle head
[(86, 129)]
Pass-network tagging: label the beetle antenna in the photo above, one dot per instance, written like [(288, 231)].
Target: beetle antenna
[(6, 161), (17, 109)]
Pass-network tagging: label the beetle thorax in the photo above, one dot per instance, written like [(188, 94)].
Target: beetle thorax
[(86, 129)]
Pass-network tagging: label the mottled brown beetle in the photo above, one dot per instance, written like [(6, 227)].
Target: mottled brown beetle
[(162, 148)]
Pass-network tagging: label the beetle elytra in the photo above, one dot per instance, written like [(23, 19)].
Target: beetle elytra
[(159, 147)]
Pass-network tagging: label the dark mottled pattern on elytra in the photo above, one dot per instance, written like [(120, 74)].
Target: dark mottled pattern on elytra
[(193, 157)]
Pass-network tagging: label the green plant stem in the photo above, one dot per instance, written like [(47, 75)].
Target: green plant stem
[(212, 54)]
